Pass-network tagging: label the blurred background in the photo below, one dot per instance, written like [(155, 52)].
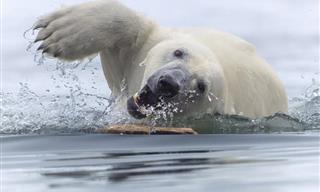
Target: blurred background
[(285, 33)]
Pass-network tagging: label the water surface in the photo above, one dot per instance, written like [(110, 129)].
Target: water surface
[(285, 162)]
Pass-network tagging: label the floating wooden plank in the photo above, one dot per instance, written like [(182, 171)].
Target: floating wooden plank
[(135, 129)]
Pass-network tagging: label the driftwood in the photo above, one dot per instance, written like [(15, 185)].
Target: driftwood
[(135, 129)]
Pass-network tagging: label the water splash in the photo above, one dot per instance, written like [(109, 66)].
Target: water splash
[(67, 107), (79, 111), (307, 107), (28, 112)]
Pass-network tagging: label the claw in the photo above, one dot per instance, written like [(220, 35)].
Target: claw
[(39, 25), (45, 50), (57, 53), (38, 38), (41, 47), (43, 35)]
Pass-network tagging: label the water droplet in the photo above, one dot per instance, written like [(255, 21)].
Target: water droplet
[(142, 64), (123, 85)]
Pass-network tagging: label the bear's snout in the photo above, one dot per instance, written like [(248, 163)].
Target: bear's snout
[(162, 86), (168, 81), (167, 87)]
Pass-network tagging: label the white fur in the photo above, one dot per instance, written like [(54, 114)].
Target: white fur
[(132, 47)]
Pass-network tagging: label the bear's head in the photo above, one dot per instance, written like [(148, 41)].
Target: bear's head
[(182, 77)]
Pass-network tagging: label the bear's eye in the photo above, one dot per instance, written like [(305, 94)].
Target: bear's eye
[(201, 86), (178, 53)]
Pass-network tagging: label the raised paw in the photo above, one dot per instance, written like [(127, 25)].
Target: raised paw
[(72, 33)]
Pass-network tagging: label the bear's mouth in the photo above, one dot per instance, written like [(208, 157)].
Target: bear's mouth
[(163, 91), (146, 101), (134, 109), (138, 104)]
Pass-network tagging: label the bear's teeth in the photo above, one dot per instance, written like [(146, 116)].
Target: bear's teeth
[(136, 98)]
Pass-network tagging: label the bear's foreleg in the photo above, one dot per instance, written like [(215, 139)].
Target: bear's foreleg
[(79, 31)]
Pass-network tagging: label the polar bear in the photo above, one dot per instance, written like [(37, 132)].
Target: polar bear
[(196, 70)]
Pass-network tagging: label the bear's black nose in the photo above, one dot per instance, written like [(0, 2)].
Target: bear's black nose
[(167, 87)]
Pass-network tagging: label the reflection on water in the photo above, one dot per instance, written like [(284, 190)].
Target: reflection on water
[(119, 172), (158, 163)]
